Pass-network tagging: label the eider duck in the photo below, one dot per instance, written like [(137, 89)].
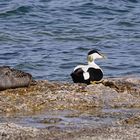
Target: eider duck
[(13, 78), (88, 73)]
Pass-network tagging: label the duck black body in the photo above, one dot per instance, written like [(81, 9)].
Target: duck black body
[(13, 78), (88, 73)]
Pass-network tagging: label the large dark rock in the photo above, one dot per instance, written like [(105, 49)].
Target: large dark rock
[(13, 78)]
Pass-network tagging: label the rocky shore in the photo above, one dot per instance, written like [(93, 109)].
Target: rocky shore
[(57, 111)]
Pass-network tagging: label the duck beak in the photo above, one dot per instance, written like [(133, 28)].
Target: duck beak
[(103, 56)]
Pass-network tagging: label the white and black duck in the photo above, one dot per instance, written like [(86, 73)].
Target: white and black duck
[(88, 73), (13, 78)]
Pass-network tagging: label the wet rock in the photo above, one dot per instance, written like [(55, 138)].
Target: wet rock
[(133, 120)]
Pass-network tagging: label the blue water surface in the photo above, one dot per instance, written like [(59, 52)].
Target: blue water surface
[(48, 38)]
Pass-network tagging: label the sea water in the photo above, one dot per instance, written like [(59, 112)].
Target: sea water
[(48, 38)]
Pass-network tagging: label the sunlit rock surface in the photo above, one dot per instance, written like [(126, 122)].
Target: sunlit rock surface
[(54, 110)]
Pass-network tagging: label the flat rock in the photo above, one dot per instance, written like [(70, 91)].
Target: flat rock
[(109, 109)]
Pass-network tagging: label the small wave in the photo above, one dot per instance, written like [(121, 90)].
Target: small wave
[(126, 24), (133, 1), (87, 4), (17, 11), (83, 49)]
